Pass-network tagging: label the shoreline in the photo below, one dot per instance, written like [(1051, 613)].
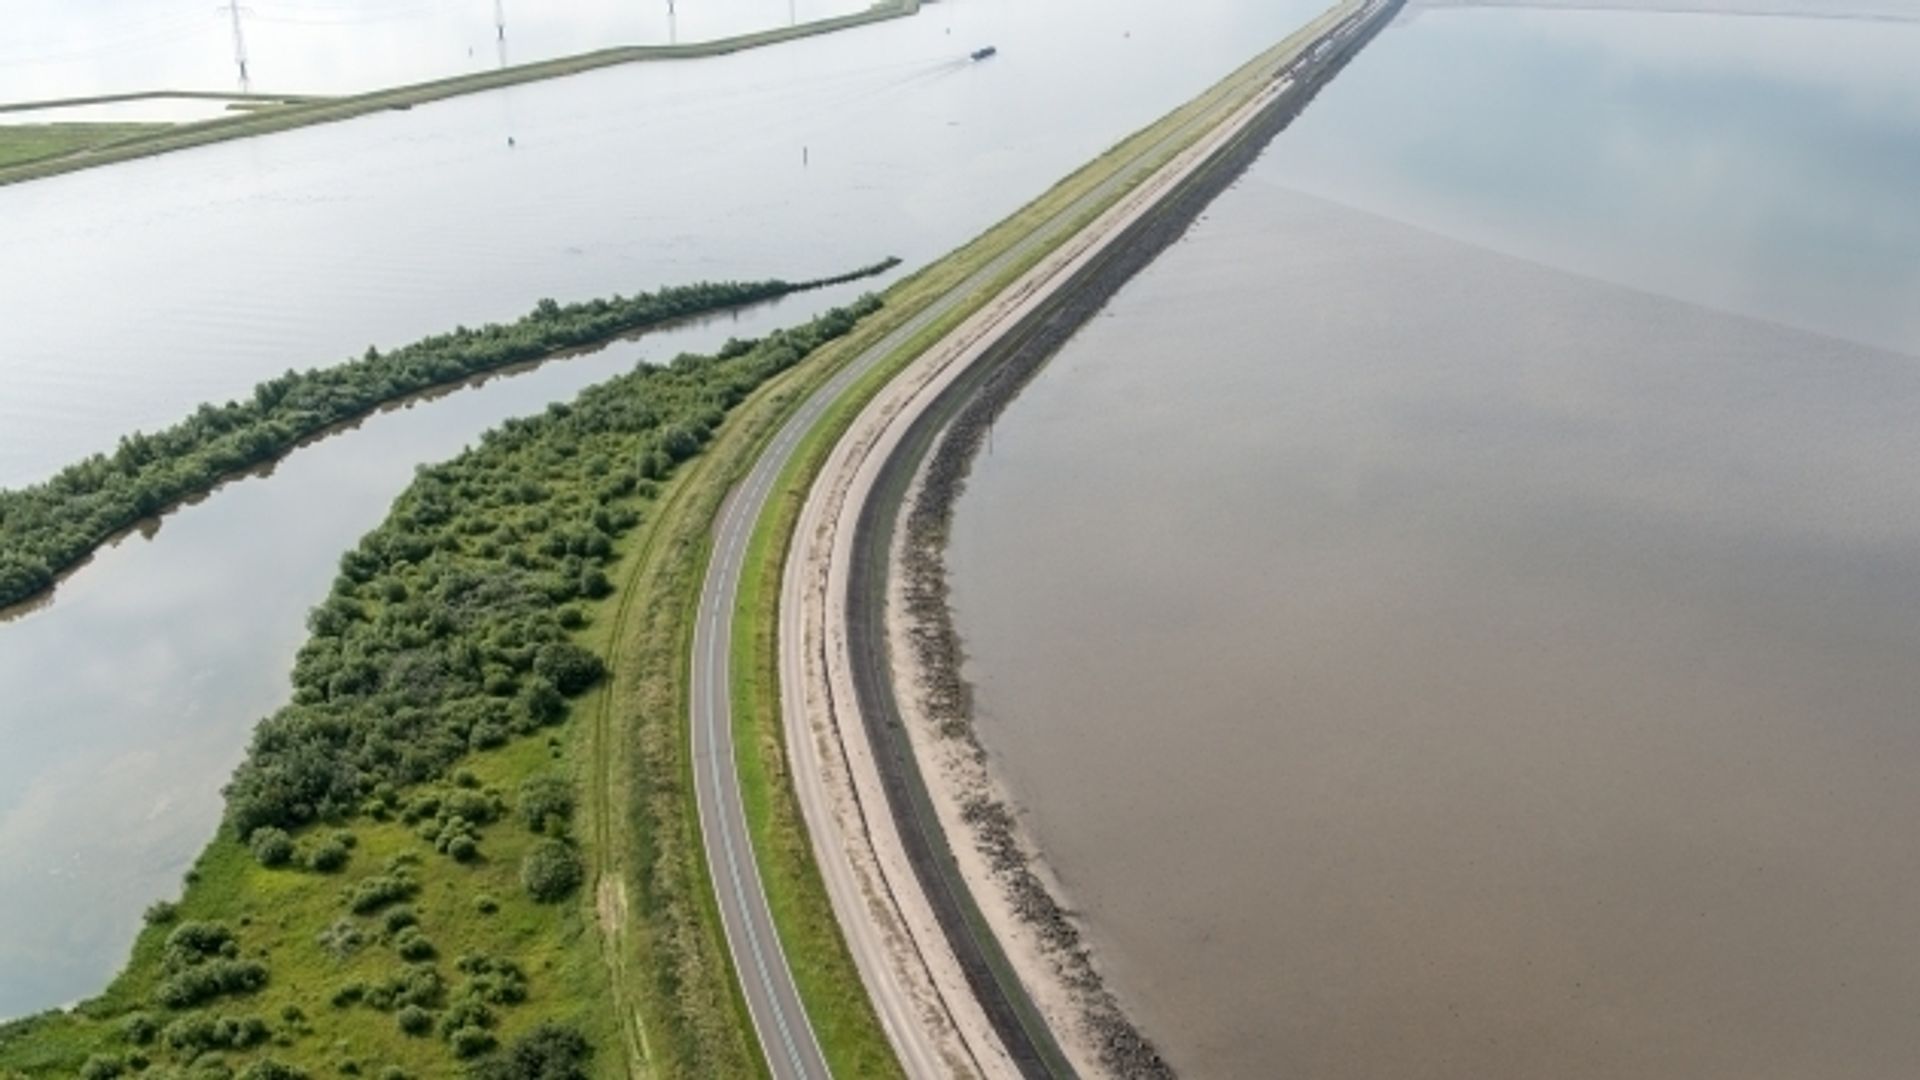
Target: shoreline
[(932, 421)]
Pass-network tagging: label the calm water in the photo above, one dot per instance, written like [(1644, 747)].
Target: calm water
[(1422, 661), (56, 48), (135, 292)]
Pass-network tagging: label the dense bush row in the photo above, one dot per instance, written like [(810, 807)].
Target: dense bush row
[(448, 627), (49, 527)]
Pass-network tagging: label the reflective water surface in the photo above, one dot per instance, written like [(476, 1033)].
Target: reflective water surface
[(1417, 660), (59, 49), (135, 292)]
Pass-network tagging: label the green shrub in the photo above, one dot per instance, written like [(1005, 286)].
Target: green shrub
[(570, 668), (273, 847), (550, 871), (546, 802), (139, 1028), (214, 978), (327, 857), (466, 1014), (199, 1033), (376, 892), (471, 1042), (161, 912), (414, 1020), (548, 1052), (412, 945), (342, 939), (492, 980), (193, 942)]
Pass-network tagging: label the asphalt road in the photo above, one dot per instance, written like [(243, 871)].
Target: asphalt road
[(785, 1034)]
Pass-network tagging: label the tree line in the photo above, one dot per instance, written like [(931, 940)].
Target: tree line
[(49, 527), (449, 629), (449, 626)]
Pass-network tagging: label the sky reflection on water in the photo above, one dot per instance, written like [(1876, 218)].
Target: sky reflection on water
[(57, 48), (1764, 166)]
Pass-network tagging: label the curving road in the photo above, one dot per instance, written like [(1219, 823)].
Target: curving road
[(780, 1022)]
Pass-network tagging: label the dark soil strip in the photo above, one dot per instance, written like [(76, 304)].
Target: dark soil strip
[(969, 406)]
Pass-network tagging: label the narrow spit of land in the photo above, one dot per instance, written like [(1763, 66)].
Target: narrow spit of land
[(400, 887), (23, 143), (284, 113), (49, 528)]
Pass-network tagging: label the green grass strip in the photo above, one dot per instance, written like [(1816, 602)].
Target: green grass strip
[(305, 112)]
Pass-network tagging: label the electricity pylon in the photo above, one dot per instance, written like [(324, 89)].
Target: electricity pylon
[(233, 8)]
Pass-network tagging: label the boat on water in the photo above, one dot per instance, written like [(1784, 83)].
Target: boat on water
[(983, 53)]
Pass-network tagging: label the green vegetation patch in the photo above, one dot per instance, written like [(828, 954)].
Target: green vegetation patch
[(46, 528), (397, 889), (22, 143)]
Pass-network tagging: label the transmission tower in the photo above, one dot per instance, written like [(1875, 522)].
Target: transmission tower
[(500, 30), (233, 9)]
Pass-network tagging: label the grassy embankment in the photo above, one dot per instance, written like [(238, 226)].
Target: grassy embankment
[(396, 886), (47, 528), (22, 143), (301, 113), (827, 980)]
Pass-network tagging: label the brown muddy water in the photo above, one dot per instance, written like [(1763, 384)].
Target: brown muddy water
[(1419, 661)]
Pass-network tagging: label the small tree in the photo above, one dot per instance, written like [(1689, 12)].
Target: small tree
[(328, 857), (550, 871), (569, 667), (546, 802), (273, 847), (548, 1052), (414, 1020)]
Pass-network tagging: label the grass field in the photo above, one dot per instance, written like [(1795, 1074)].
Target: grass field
[(23, 143)]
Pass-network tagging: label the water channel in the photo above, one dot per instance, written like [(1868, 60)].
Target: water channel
[(135, 292), (1453, 616), (60, 50)]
